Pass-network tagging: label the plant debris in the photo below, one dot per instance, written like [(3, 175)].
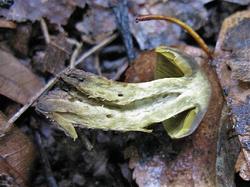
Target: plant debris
[(56, 11), (17, 154), (191, 160), (16, 81), (39, 38), (231, 50)]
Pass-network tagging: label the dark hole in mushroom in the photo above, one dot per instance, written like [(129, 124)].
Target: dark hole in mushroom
[(108, 115), (229, 68), (120, 94)]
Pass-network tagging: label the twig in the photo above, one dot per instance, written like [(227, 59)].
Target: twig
[(120, 10), (31, 101), (197, 38), (120, 71), (54, 80), (75, 53), (97, 64), (96, 48), (45, 30)]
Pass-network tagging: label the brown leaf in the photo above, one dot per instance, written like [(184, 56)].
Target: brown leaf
[(7, 24), (232, 62), (53, 59), (241, 166), (16, 157), (20, 41), (16, 81), (142, 68), (195, 163)]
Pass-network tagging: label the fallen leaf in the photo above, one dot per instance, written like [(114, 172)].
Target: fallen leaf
[(56, 11), (16, 157), (154, 33), (242, 167), (97, 24), (142, 68), (194, 164), (21, 39), (232, 65), (7, 24), (53, 59), (16, 81)]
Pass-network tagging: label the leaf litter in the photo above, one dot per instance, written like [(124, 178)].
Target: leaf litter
[(154, 157)]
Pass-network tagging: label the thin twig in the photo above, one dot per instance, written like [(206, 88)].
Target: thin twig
[(196, 36), (55, 79), (120, 9), (97, 64), (75, 53), (97, 47), (45, 31), (120, 71), (31, 101)]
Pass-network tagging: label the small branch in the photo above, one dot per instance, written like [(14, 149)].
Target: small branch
[(52, 82), (96, 48), (120, 71), (45, 30), (32, 100), (183, 25), (75, 53), (97, 64), (120, 10)]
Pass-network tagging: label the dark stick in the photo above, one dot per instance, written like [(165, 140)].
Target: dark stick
[(120, 9)]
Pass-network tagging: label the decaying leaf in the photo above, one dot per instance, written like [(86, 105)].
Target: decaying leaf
[(21, 39), (242, 167), (16, 157), (232, 62), (181, 95), (98, 24), (195, 162), (16, 81), (53, 59), (7, 24), (154, 33), (56, 11)]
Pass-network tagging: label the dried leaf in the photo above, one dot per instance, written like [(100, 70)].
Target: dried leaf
[(154, 33), (53, 59), (242, 167), (16, 81), (16, 157), (97, 24), (7, 24), (20, 41), (232, 62), (56, 11), (142, 68), (195, 163)]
